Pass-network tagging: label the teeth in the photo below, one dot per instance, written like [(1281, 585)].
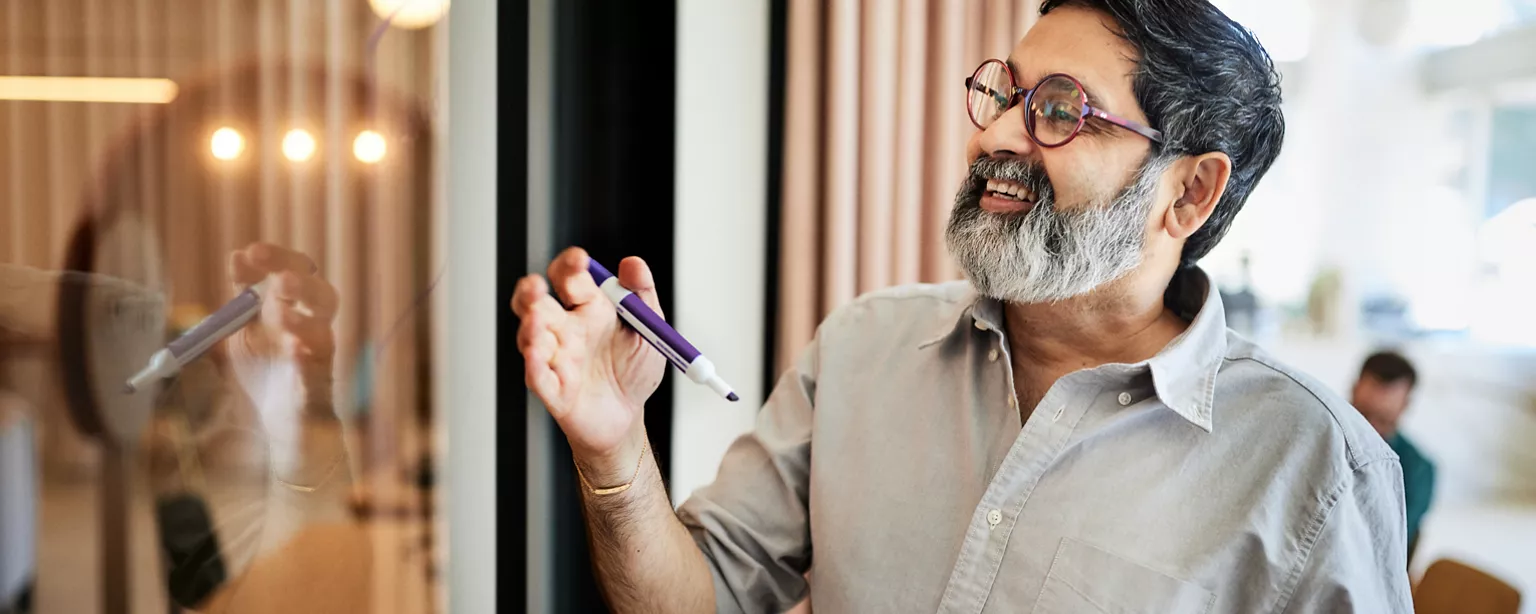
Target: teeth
[(1007, 188)]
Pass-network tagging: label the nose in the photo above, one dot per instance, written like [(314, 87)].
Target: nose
[(1004, 137)]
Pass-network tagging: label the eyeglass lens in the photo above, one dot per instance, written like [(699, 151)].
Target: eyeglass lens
[(1055, 110)]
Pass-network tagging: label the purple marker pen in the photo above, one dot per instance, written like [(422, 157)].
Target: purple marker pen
[(197, 340), (661, 336)]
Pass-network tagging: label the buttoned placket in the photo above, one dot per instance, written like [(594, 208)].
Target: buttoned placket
[(1034, 449)]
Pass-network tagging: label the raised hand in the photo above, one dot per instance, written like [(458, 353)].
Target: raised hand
[(592, 373), (283, 359)]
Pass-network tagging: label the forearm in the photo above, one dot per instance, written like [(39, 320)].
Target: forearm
[(308, 475), (644, 558), (314, 457)]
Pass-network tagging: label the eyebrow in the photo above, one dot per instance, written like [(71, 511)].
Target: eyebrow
[(1093, 101)]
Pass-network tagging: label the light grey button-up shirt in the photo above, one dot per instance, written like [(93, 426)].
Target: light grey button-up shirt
[(890, 463)]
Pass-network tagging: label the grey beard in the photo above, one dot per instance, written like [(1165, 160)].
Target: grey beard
[(1048, 254)]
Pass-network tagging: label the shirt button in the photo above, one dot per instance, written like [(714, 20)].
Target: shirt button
[(981, 325), (1125, 398), (993, 518), (992, 355), (1013, 402)]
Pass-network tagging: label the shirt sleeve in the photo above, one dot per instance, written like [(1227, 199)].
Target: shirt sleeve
[(752, 523), (1359, 561)]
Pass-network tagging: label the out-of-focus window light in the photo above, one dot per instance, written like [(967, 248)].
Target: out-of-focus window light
[(88, 89), (298, 145), (1508, 249), (1436, 23), (1283, 27), (410, 14), (369, 147), (226, 143)]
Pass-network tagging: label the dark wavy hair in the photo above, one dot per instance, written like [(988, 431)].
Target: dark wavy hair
[(1207, 83), (1390, 367)]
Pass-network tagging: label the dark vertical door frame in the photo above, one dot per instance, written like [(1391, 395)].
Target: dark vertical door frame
[(511, 264), (613, 135), (778, 58)]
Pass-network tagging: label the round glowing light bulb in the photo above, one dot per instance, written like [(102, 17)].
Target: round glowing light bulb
[(410, 14), (298, 145), (227, 144), (369, 147)]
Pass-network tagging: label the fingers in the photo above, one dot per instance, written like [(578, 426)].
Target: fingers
[(294, 282), (242, 272), (636, 275), (540, 346), (272, 258), (545, 330), (568, 274), (310, 290), (543, 320), (308, 336), (301, 333), (530, 290)]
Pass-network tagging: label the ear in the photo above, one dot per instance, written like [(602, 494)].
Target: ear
[(1202, 181)]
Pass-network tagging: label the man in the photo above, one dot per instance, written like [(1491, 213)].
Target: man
[(1073, 430), (1381, 394)]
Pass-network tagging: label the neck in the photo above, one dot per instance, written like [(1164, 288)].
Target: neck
[(1123, 322)]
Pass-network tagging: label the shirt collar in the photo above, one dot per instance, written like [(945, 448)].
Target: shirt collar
[(1183, 373)]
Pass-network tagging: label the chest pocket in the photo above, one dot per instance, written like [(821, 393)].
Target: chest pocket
[(1086, 579)]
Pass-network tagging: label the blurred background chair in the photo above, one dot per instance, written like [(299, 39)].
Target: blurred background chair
[(1452, 587)]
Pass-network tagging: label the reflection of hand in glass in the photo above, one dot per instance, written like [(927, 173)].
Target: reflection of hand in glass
[(283, 360), (308, 555)]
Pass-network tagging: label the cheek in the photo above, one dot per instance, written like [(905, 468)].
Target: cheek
[(1075, 181), (973, 147)]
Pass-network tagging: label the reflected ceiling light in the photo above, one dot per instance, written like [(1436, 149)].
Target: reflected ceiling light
[(410, 14), (88, 89), (226, 143), (369, 147), (298, 145)]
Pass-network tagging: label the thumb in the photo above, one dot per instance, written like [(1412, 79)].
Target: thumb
[(636, 275)]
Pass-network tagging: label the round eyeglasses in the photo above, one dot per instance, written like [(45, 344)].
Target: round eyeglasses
[(1055, 110)]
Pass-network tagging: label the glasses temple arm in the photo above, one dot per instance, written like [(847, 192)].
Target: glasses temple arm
[(1151, 133)]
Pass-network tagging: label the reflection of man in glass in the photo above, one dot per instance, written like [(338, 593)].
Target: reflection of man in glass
[(262, 416), (1382, 394), (282, 534)]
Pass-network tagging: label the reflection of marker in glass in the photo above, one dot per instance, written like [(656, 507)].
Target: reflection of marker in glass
[(661, 336), (196, 341)]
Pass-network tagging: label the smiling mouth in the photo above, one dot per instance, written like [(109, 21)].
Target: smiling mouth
[(1006, 197)]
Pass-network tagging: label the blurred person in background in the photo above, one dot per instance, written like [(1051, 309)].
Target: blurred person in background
[(1382, 395), (1072, 429)]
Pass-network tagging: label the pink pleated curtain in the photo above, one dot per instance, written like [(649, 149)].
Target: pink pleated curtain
[(874, 143)]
